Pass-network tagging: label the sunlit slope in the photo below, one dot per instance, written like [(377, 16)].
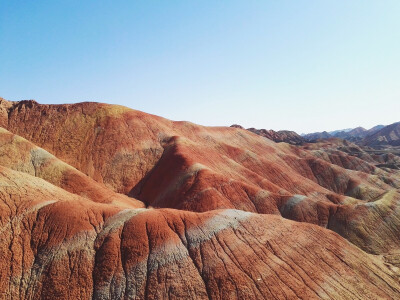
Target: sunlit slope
[(182, 165), (57, 245), (19, 154)]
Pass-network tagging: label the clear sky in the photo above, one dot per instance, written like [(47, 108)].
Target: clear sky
[(299, 65)]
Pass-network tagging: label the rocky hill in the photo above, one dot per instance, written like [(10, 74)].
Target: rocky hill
[(280, 136), (388, 135), (317, 136), (104, 202), (355, 133)]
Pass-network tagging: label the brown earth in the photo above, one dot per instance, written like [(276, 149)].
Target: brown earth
[(104, 202)]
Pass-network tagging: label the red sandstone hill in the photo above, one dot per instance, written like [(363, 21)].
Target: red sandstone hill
[(207, 214)]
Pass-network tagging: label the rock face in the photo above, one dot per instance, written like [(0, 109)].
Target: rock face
[(104, 202)]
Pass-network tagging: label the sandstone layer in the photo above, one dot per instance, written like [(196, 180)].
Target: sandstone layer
[(104, 202)]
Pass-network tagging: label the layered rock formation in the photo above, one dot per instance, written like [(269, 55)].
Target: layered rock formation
[(378, 135), (389, 135), (354, 135), (280, 136), (317, 136), (104, 202)]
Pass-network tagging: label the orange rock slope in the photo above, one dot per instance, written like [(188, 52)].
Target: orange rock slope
[(104, 202)]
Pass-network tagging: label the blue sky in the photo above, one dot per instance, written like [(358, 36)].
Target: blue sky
[(298, 65)]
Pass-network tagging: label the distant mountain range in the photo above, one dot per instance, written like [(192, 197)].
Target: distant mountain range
[(379, 135), (352, 134), (388, 135), (340, 130), (375, 136)]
